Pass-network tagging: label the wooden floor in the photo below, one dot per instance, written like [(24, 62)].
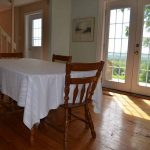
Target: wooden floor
[(124, 124)]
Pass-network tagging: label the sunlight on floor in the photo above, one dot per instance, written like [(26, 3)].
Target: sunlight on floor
[(130, 108), (147, 102)]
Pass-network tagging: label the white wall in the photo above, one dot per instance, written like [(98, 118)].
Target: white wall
[(84, 51), (62, 14), (60, 26)]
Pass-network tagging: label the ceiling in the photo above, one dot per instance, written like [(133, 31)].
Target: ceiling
[(5, 4)]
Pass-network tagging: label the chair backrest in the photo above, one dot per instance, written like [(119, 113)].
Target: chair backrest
[(83, 86), (11, 55), (61, 58)]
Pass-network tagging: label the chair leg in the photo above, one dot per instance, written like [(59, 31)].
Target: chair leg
[(69, 114), (86, 117), (66, 129), (90, 122)]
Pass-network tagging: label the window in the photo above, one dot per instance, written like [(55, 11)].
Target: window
[(37, 32)]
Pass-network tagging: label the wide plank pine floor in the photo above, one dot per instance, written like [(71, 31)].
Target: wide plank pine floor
[(124, 124)]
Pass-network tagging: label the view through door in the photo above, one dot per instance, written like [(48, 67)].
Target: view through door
[(127, 46)]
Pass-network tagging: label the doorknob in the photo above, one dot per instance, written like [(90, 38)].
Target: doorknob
[(136, 52)]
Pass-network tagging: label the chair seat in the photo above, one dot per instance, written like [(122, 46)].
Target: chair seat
[(70, 105)]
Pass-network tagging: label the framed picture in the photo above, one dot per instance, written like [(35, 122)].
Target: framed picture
[(83, 29)]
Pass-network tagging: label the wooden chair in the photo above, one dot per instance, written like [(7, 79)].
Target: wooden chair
[(84, 88), (11, 55), (61, 58)]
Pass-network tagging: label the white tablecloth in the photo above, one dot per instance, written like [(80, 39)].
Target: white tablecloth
[(37, 85)]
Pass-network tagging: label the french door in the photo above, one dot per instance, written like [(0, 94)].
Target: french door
[(127, 46)]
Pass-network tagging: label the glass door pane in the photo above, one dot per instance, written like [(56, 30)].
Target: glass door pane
[(118, 45), (141, 69), (144, 70)]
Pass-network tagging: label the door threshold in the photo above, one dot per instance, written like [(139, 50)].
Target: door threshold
[(124, 93)]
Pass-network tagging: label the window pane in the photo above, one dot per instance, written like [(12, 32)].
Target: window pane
[(120, 13), (125, 33), (126, 15), (112, 31), (144, 70), (112, 16), (119, 30), (117, 45), (111, 45)]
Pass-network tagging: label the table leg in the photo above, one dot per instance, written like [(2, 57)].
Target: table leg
[(33, 134), (1, 95)]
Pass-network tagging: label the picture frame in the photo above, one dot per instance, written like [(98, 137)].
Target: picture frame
[(83, 29)]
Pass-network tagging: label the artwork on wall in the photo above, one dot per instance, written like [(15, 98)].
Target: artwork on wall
[(83, 29)]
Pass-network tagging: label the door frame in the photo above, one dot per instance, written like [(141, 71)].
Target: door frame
[(28, 47), (131, 43)]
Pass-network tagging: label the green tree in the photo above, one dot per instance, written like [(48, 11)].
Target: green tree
[(147, 17)]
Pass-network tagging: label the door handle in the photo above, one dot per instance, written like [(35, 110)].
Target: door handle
[(136, 52)]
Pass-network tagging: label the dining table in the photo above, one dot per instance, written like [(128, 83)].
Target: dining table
[(38, 86)]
